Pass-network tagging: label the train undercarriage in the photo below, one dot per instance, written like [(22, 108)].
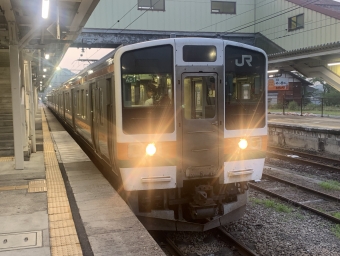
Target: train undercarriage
[(197, 206)]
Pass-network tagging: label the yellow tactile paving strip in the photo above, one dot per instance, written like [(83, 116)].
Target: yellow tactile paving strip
[(63, 236), (6, 159), (13, 187)]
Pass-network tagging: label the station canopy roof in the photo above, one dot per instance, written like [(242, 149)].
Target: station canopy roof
[(21, 23)]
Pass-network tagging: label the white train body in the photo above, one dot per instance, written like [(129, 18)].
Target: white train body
[(181, 122)]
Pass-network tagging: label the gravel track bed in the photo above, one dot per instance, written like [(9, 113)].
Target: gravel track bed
[(301, 196), (305, 170), (299, 232), (296, 176), (202, 244)]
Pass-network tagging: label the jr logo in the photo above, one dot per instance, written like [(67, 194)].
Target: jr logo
[(247, 58)]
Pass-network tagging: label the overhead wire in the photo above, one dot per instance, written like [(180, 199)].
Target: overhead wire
[(265, 18), (130, 22)]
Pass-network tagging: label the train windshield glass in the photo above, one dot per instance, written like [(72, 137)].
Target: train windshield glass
[(244, 88), (148, 90)]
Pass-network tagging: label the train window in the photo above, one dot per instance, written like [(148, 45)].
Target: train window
[(148, 90), (199, 53), (199, 97), (244, 88)]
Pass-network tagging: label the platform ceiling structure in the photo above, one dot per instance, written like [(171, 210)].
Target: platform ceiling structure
[(21, 22), (311, 62), (26, 38)]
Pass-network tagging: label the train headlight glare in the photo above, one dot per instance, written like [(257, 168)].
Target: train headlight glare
[(243, 144), (150, 149)]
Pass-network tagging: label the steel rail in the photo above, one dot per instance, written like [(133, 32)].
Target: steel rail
[(301, 161), (174, 247), (303, 154), (295, 203), (322, 194), (242, 249)]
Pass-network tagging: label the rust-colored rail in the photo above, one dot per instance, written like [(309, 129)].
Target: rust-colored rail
[(295, 203), (302, 160)]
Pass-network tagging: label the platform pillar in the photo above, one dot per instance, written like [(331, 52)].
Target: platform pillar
[(18, 126), (31, 104)]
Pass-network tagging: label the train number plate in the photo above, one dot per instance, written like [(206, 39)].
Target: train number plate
[(201, 171)]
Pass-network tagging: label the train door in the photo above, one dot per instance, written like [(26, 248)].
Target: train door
[(74, 108), (104, 97), (200, 130), (64, 104), (95, 115)]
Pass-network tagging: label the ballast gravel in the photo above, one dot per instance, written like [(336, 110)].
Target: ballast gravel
[(299, 232)]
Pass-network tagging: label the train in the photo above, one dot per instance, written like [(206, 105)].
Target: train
[(180, 122)]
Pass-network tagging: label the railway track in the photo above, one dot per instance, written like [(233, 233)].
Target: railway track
[(242, 249), (171, 247), (323, 204), (304, 158)]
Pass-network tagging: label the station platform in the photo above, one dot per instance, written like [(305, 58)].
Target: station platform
[(321, 134), (61, 204), (306, 122)]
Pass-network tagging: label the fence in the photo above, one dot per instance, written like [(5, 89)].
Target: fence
[(307, 106)]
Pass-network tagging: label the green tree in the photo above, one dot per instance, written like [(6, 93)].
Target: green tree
[(330, 94)]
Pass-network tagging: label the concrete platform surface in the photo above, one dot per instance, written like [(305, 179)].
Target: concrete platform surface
[(104, 223), (324, 123)]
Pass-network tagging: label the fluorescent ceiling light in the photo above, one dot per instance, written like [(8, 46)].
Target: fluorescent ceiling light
[(44, 69), (333, 64), (57, 68), (47, 56), (273, 71), (271, 76), (45, 8)]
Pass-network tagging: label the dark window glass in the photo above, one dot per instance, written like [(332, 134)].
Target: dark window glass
[(148, 90), (245, 88), (296, 22), (223, 7), (153, 5), (199, 53)]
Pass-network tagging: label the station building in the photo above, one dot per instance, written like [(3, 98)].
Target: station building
[(297, 35)]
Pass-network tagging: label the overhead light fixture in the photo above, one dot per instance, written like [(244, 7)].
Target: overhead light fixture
[(44, 76), (45, 8), (57, 68), (271, 76), (47, 56), (333, 64), (273, 71), (44, 69), (50, 86), (90, 71), (79, 77)]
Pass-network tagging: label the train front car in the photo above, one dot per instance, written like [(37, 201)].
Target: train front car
[(191, 129)]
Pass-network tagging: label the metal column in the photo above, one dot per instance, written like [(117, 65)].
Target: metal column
[(31, 105)]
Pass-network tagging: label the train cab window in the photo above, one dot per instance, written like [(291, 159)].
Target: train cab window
[(199, 97), (244, 88), (148, 90)]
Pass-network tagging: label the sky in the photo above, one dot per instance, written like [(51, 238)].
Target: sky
[(70, 60)]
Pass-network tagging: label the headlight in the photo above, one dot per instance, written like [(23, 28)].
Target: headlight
[(150, 149), (243, 144)]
